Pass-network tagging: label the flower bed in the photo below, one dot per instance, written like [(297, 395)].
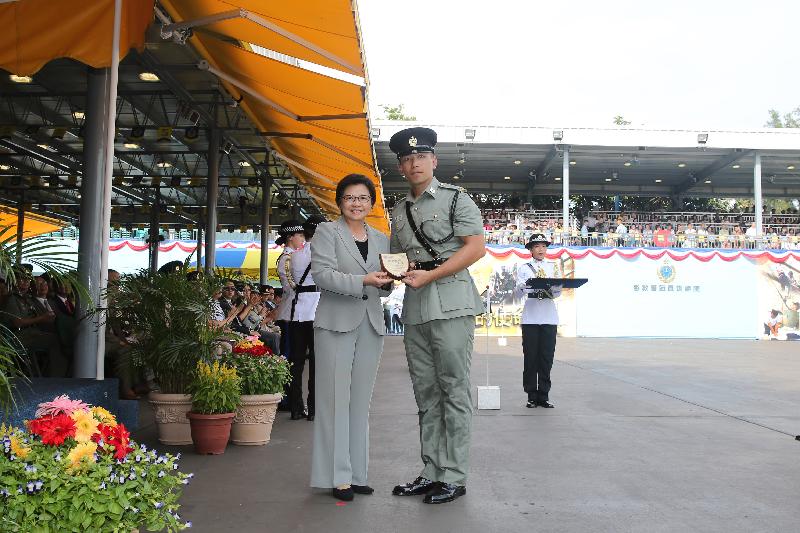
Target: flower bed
[(76, 469)]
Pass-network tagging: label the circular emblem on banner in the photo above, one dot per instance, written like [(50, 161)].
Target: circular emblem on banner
[(666, 272)]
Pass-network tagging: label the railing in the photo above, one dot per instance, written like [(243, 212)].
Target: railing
[(574, 238)]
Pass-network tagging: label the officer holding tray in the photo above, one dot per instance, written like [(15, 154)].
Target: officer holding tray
[(539, 322), (440, 230)]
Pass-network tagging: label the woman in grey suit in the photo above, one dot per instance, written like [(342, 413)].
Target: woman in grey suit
[(348, 336)]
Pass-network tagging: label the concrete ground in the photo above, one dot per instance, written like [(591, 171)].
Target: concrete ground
[(647, 436)]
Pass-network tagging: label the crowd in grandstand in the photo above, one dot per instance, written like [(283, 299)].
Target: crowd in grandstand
[(680, 229)]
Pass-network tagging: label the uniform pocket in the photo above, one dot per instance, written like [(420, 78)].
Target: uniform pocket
[(454, 293), (436, 227)]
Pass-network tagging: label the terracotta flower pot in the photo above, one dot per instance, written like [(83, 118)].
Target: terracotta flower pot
[(170, 411), (210, 433), (254, 417)]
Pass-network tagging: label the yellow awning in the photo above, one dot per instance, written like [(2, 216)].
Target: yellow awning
[(32, 226), (35, 32), (318, 125)]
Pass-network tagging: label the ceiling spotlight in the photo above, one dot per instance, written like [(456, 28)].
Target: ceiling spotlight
[(681, 165), (5, 167), (707, 181), (790, 167), (469, 134), (658, 180), (130, 146), (702, 138), (558, 135), (462, 161), (573, 162), (43, 146), (517, 162), (244, 164), (456, 177), (163, 164), (627, 164), (148, 76), (507, 177), (20, 79), (557, 179), (79, 115), (608, 179)]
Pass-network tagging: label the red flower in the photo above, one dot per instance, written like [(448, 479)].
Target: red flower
[(258, 351), (237, 349), (53, 430), (117, 437)]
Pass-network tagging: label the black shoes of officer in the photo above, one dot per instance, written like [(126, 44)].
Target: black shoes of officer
[(362, 489), (445, 492), (346, 495), (310, 415), (537, 403), (417, 487), (297, 415)]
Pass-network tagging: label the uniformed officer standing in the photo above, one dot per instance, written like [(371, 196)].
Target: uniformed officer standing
[(303, 308), (290, 235), (440, 229), (539, 322)]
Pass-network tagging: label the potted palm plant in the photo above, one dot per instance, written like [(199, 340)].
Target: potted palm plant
[(215, 397), (263, 376), (166, 319)]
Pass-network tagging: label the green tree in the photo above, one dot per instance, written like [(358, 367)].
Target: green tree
[(619, 120), (397, 112), (787, 120)]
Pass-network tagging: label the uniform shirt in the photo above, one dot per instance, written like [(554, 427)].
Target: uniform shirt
[(452, 296), (285, 307), (306, 307), (538, 311)]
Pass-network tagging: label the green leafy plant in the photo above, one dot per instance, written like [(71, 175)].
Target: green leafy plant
[(215, 389), (166, 317), (74, 469), (260, 371)]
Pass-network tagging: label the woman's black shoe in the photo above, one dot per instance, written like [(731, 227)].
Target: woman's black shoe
[(298, 415), (310, 415), (362, 489), (346, 495)]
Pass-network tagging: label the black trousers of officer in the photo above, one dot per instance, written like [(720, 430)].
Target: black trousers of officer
[(301, 338), (538, 349)]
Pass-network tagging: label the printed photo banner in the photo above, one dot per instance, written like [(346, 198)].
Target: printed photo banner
[(776, 256)]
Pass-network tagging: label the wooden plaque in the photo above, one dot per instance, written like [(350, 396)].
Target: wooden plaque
[(394, 264)]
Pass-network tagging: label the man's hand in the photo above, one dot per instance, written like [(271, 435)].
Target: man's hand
[(417, 278)]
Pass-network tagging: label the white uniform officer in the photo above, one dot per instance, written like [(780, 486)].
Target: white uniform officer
[(290, 235), (539, 322), (302, 309)]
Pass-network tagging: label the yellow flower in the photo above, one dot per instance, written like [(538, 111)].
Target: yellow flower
[(18, 448), (104, 416), (85, 425), (82, 451)]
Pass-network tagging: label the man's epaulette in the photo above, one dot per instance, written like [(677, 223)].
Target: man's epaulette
[(451, 186)]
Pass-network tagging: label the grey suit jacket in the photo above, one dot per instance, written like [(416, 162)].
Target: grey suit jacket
[(339, 269)]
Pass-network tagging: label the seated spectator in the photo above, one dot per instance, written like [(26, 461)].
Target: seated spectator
[(34, 327)]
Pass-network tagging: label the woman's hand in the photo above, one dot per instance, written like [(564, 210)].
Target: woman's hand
[(376, 279)]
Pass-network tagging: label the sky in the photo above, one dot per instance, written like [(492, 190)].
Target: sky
[(672, 64)]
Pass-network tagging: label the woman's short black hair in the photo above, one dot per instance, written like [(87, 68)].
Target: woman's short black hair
[(355, 179)]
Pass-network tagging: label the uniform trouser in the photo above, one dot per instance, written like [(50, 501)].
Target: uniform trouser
[(347, 365), (439, 356), (538, 348), (301, 337)]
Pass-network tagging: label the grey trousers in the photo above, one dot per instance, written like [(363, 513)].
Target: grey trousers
[(439, 355), (346, 366)]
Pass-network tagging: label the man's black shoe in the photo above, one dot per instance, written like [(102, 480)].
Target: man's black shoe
[(532, 404), (546, 404), (362, 489), (444, 493), (417, 487), (346, 495)]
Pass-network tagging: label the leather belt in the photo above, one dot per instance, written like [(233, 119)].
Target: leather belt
[(427, 265), (306, 288), (538, 296)]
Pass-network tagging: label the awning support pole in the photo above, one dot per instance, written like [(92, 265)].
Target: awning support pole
[(266, 207), (759, 207), (212, 196), (565, 193)]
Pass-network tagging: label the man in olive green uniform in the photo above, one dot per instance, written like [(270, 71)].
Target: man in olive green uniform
[(440, 229)]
